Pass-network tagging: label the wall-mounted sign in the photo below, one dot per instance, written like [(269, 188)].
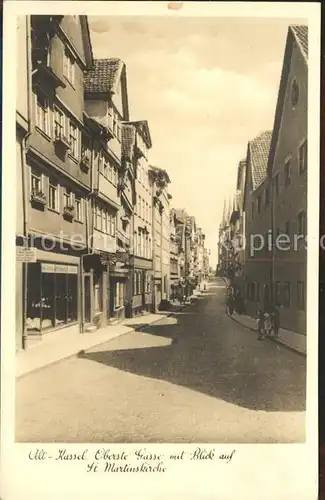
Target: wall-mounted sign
[(25, 254)]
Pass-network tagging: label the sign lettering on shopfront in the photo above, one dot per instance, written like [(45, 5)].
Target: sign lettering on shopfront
[(24, 254), (58, 268)]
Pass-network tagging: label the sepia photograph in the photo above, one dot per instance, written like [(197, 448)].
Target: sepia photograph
[(161, 229)]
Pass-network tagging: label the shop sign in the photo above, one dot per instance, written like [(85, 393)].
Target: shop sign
[(26, 254), (58, 268)]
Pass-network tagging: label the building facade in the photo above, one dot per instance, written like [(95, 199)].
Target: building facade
[(113, 197), (141, 261), (56, 187), (288, 171), (161, 236), (23, 127), (258, 261)]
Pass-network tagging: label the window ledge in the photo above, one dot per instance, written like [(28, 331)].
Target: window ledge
[(69, 82), (54, 210), (73, 158), (44, 134), (79, 221)]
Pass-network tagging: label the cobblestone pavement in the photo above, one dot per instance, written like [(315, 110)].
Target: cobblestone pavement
[(194, 377)]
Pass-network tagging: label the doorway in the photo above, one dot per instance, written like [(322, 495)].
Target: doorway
[(87, 298)]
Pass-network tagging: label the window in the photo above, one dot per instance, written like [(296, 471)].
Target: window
[(259, 202), (302, 223), (277, 184), (253, 207), (139, 206), (278, 293), (73, 137), (294, 93), (79, 208), (301, 300), (69, 67), (59, 123), (287, 173), (267, 196), (98, 218), (302, 157), (68, 197), (36, 181), (42, 113), (105, 167), (53, 195), (286, 294)]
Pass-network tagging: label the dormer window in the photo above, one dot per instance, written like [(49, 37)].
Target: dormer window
[(69, 67)]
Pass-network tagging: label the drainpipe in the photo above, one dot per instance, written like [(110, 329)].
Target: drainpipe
[(24, 168)]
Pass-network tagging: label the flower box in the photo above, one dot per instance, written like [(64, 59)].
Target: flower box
[(68, 211), (62, 140), (38, 197)]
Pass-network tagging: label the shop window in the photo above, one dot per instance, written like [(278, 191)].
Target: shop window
[(52, 296)]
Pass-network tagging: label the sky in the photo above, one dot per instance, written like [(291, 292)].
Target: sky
[(206, 86)]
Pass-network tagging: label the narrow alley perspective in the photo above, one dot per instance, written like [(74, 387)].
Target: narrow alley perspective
[(195, 376)]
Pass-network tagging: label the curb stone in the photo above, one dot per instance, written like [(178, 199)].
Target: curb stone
[(82, 352)]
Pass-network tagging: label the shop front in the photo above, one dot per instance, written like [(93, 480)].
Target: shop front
[(141, 292), (52, 296), (118, 285)]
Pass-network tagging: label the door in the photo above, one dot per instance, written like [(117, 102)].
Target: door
[(87, 298)]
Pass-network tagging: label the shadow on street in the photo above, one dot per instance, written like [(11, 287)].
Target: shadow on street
[(210, 353)]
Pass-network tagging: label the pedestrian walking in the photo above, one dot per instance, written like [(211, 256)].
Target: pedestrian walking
[(260, 324), (276, 322), (267, 324)]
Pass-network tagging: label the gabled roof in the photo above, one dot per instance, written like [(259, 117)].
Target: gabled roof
[(128, 141), (143, 128), (300, 32), (296, 34), (259, 149), (160, 171), (104, 76)]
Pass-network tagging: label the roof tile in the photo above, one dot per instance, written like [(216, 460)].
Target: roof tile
[(259, 148), (103, 75), (301, 33), (128, 140)]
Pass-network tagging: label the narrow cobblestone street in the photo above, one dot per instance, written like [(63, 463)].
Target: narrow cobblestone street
[(198, 376)]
